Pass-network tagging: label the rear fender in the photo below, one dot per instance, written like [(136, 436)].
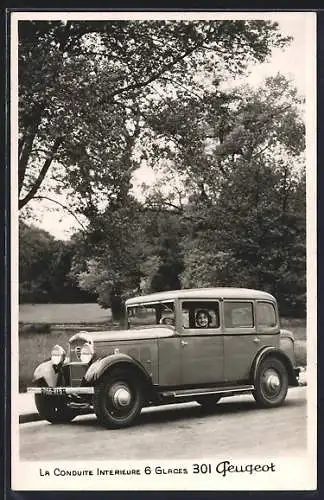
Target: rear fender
[(47, 372), (100, 366), (277, 353)]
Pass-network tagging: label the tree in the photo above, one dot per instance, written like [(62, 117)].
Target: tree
[(62, 286), (44, 268), (83, 86), (129, 251), (36, 250), (163, 263), (240, 154), (96, 98), (108, 260)]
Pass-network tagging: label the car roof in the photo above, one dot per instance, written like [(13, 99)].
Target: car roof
[(202, 293)]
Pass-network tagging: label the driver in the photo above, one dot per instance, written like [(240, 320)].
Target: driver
[(167, 320)]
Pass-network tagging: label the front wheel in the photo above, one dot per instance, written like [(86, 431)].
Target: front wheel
[(118, 398), (271, 383), (54, 409)]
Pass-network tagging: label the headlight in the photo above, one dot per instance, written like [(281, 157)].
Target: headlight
[(86, 353), (57, 355)]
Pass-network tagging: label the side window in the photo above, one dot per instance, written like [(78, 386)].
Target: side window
[(200, 315), (238, 314), (151, 314), (266, 314)]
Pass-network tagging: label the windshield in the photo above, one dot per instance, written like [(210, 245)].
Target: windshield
[(161, 313)]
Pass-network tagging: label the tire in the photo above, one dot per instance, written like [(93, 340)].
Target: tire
[(208, 402), (54, 409), (118, 398), (271, 383)]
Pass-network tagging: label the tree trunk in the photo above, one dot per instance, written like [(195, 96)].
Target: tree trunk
[(117, 307)]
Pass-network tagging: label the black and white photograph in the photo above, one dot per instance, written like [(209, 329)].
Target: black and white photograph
[(163, 250)]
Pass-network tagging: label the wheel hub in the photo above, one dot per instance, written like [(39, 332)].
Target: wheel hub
[(272, 381), (121, 397)]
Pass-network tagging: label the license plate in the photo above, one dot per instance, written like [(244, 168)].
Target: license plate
[(53, 391)]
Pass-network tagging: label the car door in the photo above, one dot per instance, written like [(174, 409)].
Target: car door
[(241, 342), (201, 343)]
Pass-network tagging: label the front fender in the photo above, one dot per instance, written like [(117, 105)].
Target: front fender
[(98, 367), (273, 351), (287, 342), (47, 372)]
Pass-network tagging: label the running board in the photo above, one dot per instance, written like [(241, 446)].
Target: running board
[(226, 391)]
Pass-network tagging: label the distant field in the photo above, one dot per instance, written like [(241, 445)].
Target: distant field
[(63, 313)]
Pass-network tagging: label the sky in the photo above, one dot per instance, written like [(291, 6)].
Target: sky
[(292, 62)]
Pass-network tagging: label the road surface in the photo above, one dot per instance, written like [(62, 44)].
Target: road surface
[(235, 428)]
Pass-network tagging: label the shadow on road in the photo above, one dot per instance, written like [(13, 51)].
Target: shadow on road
[(172, 413)]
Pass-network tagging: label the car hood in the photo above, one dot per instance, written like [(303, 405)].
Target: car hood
[(155, 332)]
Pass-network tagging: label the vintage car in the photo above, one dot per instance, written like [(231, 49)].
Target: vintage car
[(178, 346)]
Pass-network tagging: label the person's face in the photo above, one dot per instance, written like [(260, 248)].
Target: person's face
[(202, 319)]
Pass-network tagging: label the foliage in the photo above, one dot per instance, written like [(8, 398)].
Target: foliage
[(44, 267), (35, 328), (108, 261), (36, 247), (98, 99), (240, 154), (84, 86), (128, 251)]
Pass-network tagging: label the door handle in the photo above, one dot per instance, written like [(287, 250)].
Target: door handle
[(183, 343), (256, 340)]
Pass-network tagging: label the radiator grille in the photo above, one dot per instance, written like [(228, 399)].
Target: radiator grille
[(77, 371), (75, 349)]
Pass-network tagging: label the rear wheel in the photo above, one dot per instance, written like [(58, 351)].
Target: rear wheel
[(208, 402), (118, 398), (271, 383), (54, 409)]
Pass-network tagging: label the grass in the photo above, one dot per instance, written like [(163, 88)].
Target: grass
[(63, 313), (297, 326), (44, 325), (300, 352)]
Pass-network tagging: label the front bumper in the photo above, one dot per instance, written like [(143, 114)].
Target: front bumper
[(60, 391)]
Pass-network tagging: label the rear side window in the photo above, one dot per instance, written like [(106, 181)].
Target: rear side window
[(266, 314), (238, 314)]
